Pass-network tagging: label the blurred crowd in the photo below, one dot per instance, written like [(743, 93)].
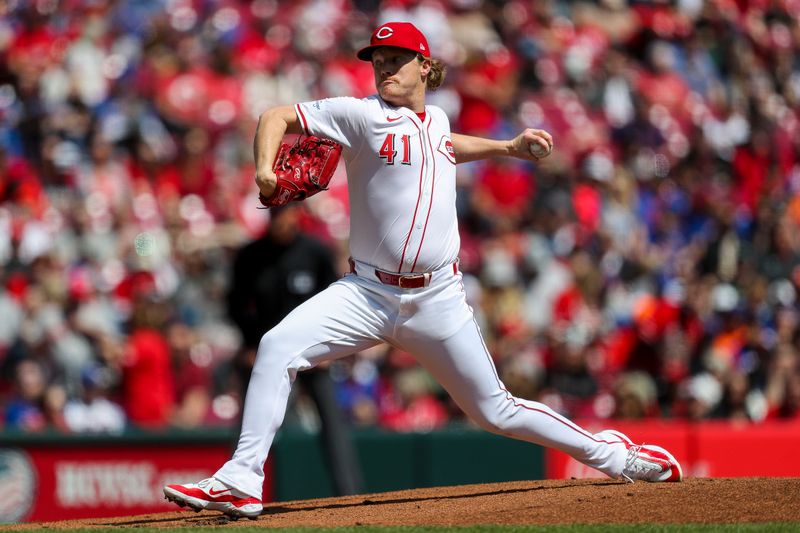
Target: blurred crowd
[(649, 267)]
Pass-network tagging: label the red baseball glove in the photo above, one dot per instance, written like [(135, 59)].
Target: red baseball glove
[(303, 170)]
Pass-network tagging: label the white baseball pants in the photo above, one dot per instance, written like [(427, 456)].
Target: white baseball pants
[(436, 325)]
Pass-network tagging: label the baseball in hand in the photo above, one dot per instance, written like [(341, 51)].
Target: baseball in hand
[(538, 150)]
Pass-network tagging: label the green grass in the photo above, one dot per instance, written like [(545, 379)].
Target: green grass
[(613, 528)]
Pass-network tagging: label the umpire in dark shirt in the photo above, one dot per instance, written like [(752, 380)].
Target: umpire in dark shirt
[(272, 276)]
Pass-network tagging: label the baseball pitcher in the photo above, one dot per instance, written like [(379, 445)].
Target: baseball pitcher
[(404, 288)]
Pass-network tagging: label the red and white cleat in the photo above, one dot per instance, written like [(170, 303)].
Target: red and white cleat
[(646, 461), (214, 495)]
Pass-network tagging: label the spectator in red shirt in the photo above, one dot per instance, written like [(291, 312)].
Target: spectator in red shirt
[(191, 359), (148, 393)]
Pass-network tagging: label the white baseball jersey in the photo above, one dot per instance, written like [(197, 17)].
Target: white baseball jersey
[(401, 173), (401, 176)]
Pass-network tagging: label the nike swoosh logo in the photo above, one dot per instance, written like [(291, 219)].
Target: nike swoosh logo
[(393, 119), (212, 492)]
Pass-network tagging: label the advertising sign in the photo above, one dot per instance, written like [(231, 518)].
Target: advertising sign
[(708, 449), (50, 483)]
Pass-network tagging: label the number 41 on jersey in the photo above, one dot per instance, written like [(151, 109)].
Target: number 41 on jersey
[(389, 153)]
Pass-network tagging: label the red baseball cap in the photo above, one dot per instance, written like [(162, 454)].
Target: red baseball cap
[(398, 34)]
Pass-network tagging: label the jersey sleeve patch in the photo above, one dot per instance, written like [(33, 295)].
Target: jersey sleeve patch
[(446, 149)]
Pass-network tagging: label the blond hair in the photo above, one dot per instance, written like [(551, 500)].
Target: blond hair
[(437, 73)]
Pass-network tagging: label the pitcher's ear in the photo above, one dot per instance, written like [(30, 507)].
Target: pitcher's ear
[(427, 64)]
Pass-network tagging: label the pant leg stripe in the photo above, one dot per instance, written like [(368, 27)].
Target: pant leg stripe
[(510, 397)]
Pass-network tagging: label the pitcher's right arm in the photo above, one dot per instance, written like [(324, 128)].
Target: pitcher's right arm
[(273, 124)]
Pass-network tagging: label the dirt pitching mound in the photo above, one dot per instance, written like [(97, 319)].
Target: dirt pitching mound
[(524, 502)]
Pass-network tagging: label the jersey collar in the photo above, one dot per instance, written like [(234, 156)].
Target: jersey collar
[(392, 111)]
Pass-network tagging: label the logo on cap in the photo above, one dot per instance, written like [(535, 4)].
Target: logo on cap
[(384, 32), (397, 34)]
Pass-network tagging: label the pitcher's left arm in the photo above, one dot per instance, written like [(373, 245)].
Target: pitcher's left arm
[(531, 144)]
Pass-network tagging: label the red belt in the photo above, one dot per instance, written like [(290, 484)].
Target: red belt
[(414, 280)]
